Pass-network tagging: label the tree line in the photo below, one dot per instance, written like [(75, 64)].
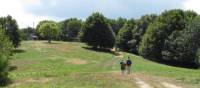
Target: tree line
[(170, 37)]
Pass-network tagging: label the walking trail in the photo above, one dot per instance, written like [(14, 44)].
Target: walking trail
[(146, 81)]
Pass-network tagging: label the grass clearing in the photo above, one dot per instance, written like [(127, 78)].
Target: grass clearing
[(69, 65)]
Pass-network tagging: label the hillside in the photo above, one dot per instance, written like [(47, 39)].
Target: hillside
[(74, 65)]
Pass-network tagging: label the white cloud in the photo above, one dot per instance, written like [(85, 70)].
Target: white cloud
[(192, 5), (16, 10)]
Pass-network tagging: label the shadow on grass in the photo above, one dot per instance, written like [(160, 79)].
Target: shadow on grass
[(12, 68), (102, 50), (52, 42), (18, 51), (5, 82), (174, 63)]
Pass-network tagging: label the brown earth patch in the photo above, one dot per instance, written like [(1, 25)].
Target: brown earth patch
[(76, 61), (31, 80), (22, 62)]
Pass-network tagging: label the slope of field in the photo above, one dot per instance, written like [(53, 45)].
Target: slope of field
[(72, 65)]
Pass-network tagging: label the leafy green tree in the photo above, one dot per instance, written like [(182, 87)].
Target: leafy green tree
[(165, 38), (124, 36), (10, 25), (70, 29), (140, 28), (5, 51), (49, 29), (27, 33), (172, 20), (38, 32), (182, 46), (190, 15), (63, 29), (152, 41), (117, 24), (97, 32)]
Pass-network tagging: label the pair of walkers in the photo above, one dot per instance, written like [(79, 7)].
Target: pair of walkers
[(126, 65)]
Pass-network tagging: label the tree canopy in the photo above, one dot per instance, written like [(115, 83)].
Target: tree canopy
[(48, 29), (164, 39), (11, 28), (70, 29), (125, 35), (97, 32)]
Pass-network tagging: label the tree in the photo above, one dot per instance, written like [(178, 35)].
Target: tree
[(10, 25), (190, 15), (140, 28), (182, 46), (37, 29), (124, 36), (166, 23), (152, 41), (27, 33), (116, 25), (70, 29), (5, 51), (48, 29), (97, 32), (165, 41)]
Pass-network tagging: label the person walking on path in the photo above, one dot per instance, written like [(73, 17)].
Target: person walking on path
[(123, 66), (128, 63)]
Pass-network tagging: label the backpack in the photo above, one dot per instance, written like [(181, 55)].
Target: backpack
[(129, 62)]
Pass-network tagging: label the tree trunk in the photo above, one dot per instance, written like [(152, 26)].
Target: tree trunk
[(94, 47), (49, 40)]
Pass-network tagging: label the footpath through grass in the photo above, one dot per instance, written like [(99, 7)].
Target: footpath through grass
[(71, 65)]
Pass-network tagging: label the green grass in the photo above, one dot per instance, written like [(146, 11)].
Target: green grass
[(40, 64)]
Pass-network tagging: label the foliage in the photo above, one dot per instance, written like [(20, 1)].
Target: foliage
[(151, 44), (164, 38), (182, 46), (10, 25), (124, 36), (27, 33), (70, 29), (5, 51), (97, 32), (117, 24), (48, 29), (139, 30), (38, 32)]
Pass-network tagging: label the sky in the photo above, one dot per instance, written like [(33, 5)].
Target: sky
[(30, 12)]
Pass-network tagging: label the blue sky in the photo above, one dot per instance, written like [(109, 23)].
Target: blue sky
[(110, 8), (28, 11)]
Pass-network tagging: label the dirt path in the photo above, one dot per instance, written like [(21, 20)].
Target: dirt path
[(146, 81), (120, 56), (168, 85), (142, 84)]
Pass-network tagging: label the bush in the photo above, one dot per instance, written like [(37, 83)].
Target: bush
[(5, 51)]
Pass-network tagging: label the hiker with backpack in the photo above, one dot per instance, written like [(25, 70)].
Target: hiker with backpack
[(128, 64), (123, 66)]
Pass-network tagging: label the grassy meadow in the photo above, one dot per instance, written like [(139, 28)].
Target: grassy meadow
[(73, 65)]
